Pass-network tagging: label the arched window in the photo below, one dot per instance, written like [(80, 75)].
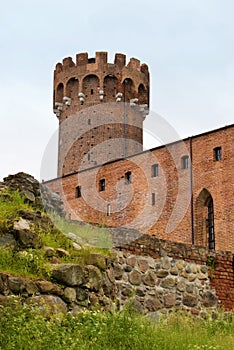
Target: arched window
[(72, 88), (142, 95), (204, 220), (110, 88), (59, 93), (210, 223), (128, 90), (91, 88)]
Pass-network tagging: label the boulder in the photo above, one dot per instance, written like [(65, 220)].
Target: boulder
[(135, 277), (152, 304), (69, 274), (27, 239), (98, 260), (16, 285), (209, 299), (47, 287), (69, 295), (190, 300), (31, 288), (62, 252), (94, 278), (150, 279), (169, 300), (48, 304)]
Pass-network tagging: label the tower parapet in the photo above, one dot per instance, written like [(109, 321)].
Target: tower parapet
[(90, 81)]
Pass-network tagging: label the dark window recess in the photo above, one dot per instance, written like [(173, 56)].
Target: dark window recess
[(88, 156), (218, 153), (91, 91), (128, 177), (153, 198), (184, 162), (108, 211), (154, 170), (78, 191), (89, 121), (210, 225), (102, 185)]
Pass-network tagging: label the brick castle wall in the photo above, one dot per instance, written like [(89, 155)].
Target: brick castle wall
[(178, 213)]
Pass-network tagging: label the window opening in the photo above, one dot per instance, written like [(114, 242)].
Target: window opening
[(78, 191), (210, 224), (185, 162), (218, 153), (154, 170), (128, 177), (102, 185)]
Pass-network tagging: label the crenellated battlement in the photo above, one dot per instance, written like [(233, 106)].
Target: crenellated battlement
[(100, 60), (89, 81)]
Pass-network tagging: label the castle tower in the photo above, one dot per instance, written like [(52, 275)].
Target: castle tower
[(98, 103)]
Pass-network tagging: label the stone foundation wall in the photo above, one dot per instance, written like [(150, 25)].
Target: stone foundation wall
[(220, 264), (158, 285), (154, 285)]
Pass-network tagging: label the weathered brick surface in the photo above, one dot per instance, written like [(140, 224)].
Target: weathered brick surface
[(81, 89), (130, 204), (102, 140)]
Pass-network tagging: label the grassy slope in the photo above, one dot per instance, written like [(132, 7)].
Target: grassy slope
[(24, 328), (31, 262)]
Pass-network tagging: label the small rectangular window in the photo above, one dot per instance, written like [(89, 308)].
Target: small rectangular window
[(153, 198), (108, 212), (128, 177), (88, 156), (184, 162), (102, 185), (154, 170), (218, 153), (89, 121), (91, 92), (78, 191)]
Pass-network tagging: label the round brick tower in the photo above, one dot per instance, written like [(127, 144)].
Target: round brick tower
[(101, 107)]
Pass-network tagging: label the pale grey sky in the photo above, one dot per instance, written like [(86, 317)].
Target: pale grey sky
[(188, 45)]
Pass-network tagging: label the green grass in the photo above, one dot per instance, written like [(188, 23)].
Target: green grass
[(95, 236), (32, 262), (11, 203), (28, 263), (25, 328)]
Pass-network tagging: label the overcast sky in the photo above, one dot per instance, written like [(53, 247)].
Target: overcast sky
[(188, 45)]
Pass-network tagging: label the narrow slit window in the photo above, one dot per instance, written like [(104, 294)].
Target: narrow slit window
[(88, 156), (154, 170), (108, 212), (218, 153), (128, 177), (153, 198), (91, 91), (78, 191), (184, 162), (102, 185)]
